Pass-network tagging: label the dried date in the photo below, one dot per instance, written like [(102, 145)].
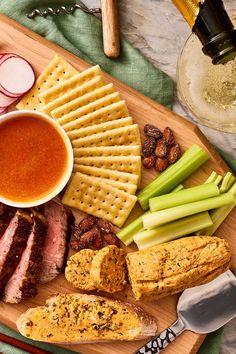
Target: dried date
[(75, 245), (76, 232), (89, 237), (100, 233), (149, 162), (161, 164), (161, 148), (97, 243), (168, 136), (174, 154), (112, 239), (105, 226), (152, 131), (148, 147), (87, 223), (166, 151)]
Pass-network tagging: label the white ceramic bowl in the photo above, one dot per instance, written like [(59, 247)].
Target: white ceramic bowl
[(68, 170)]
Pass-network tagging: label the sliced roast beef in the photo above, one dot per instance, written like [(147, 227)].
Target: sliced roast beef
[(2, 208), (23, 282), (55, 245), (6, 214), (12, 244)]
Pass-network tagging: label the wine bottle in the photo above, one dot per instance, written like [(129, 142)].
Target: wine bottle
[(211, 23)]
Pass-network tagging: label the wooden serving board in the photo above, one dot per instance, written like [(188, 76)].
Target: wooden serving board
[(38, 51)]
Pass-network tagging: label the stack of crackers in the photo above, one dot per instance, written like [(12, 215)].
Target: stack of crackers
[(106, 143)]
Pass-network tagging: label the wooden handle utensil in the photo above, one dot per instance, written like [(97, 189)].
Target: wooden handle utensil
[(22, 345), (110, 27), (110, 23)]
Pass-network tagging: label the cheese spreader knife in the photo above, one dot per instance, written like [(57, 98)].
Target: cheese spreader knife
[(201, 309)]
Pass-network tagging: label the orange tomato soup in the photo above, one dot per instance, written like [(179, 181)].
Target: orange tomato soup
[(33, 158)]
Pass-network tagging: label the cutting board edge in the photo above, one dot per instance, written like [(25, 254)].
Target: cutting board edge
[(132, 92)]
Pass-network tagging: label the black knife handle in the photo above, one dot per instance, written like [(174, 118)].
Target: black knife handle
[(157, 344)]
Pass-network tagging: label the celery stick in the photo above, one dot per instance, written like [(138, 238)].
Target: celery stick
[(164, 216), (220, 214), (214, 178), (184, 196), (227, 182), (211, 178), (177, 189), (173, 230), (232, 180), (127, 233), (189, 162), (218, 180)]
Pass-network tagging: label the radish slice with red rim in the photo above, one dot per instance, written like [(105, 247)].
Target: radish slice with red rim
[(4, 56), (5, 101), (9, 94), (16, 75)]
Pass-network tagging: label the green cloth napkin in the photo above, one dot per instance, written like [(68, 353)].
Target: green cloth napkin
[(81, 35), (228, 158)]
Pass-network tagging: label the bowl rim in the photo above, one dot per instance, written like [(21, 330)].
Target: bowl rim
[(67, 174)]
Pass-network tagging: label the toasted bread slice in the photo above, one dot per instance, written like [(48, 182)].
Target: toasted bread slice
[(79, 318), (77, 270), (108, 269), (172, 267)]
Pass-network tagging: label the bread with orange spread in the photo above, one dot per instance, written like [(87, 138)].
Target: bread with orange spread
[(171, 267), (79, 318), (102, 270), (78, 268), (108, 269)]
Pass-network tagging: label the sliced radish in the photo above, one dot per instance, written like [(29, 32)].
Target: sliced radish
[(3, 110), (9, 94), (16, 75), (4, 56), (5, 101)]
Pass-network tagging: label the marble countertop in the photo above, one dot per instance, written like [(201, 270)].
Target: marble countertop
[(157, 29)]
